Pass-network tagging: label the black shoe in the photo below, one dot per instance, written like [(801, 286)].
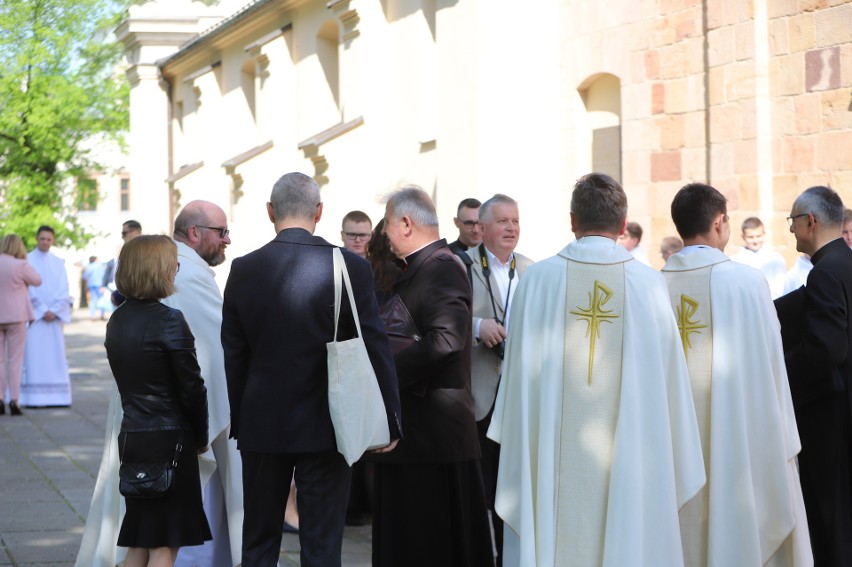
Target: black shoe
[(14, 408), (2, 408)]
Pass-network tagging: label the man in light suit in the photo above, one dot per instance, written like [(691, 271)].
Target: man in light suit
[(495, 272), (277, 317)]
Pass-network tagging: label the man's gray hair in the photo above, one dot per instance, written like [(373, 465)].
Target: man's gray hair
[(191, 215), (485, 211), (412, 202), (823, 203), (295, 195)]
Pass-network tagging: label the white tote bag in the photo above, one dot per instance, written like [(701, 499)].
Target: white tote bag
[(354, 399)]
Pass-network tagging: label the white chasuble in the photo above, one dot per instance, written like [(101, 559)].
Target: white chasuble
[(594, 322), (689, 292), (751, 512), (599, 444)]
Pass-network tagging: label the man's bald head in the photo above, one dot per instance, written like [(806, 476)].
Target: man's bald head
[(203, 226)]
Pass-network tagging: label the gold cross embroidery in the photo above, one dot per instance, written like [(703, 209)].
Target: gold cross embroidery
[(594, 315), (687, 326)]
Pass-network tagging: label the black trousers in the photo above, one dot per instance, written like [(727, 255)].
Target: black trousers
[(824, 470), (322, 482), (490, 462)]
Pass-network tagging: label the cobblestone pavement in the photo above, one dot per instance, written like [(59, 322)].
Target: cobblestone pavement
[(49, 461)]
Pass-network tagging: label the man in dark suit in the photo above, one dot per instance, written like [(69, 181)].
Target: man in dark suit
[(816, 325), (429, 500), (276, 320), (496, 270), (467, 221)]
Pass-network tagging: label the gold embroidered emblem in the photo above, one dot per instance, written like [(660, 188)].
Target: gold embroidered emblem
[(594, 315), (685, 312)]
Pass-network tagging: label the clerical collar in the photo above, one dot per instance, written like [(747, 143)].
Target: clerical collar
[(410, 258)]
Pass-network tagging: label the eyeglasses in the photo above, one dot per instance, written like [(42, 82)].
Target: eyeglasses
[(178, 267), (790, 219), (356, 236), (223, 232), (470, 223)]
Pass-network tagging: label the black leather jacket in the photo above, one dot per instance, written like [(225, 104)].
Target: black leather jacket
[(151, 352)]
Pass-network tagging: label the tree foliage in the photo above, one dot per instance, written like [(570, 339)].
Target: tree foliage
[(60, 87)]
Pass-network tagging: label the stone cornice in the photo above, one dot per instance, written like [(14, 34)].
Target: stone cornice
[(184, 171), (314, 142)]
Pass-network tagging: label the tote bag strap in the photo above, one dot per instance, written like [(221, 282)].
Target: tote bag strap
[(340, 269)]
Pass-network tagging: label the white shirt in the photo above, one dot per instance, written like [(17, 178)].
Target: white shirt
[(500, 273)]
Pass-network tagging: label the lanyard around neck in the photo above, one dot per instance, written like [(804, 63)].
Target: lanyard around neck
[(486, 272)]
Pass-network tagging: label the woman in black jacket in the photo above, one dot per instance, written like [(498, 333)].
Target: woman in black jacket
[(151, 353)]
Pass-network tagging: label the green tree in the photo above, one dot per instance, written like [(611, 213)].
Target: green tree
[(60, 87)]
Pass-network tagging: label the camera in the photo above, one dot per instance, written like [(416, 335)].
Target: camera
[(499, 349)]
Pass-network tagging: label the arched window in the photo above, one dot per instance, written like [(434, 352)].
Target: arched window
[(602, 97)]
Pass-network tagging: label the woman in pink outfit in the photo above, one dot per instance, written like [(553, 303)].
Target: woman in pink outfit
[(16, 275)]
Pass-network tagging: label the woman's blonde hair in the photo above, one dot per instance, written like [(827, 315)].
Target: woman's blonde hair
[(13, 245), (146, 267)]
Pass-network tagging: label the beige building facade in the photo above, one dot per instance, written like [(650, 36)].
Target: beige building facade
[(467, 98)]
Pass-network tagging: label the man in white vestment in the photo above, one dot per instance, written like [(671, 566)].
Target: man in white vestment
[(45, 380), (599, 443), (756, 255), (751, 512), (201, 234)]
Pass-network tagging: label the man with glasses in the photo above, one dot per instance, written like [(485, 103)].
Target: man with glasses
[(129, 230), (201, 234), (355, 232), (467, 221), (816, 325)]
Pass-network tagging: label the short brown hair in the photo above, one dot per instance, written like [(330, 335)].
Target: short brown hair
[(13, 245), (598, 203), (356, 217), (146, 267), (752, 223), (695, 207)]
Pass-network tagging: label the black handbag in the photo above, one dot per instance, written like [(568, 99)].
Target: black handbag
[(148, 480)]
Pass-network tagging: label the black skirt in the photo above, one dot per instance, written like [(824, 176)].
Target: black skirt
[(177, 519)]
